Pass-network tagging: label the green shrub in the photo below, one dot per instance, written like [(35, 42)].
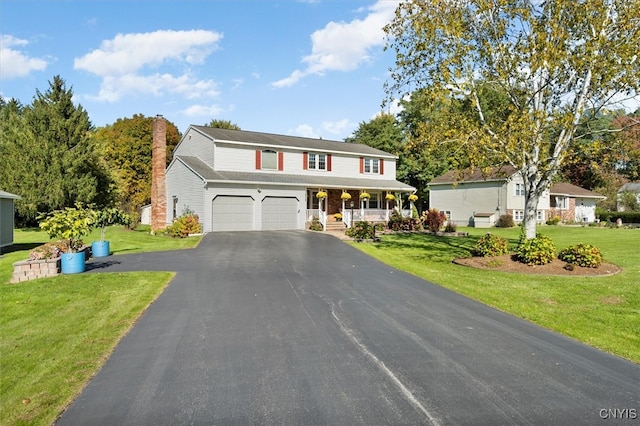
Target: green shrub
[(397, 222), (505, 221), (185, 225), (433, 219), (491, 245), (584, 255), (553, 221), (361, 231), (536, 251), (626, 216), (450, 227), (315, 224)]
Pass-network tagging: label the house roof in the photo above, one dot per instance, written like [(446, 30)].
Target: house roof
[(630, 187), (495, 174), (209, 175), (8, 195), (569, 190), (269, 139)]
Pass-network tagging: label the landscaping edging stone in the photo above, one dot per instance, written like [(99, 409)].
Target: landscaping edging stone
[(26, 270)]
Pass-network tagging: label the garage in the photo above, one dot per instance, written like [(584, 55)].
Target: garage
[(280, 213), (232, 213)]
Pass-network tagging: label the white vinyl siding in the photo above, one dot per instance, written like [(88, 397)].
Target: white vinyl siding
[(196, 145), (183, 183), (235, 158)]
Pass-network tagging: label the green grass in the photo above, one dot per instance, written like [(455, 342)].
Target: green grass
[(603, 312), (57, 332)]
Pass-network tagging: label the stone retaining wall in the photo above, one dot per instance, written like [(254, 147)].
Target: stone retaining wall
[(26, 270)]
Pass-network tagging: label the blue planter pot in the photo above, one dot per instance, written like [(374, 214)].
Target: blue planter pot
[(100, 248), (72, 263)]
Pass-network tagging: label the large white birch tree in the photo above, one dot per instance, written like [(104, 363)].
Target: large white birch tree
[(555, 59)]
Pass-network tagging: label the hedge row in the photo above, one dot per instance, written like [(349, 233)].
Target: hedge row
[(627, 217)]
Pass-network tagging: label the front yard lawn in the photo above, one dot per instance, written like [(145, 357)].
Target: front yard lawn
[(603, 312), (57, 332)]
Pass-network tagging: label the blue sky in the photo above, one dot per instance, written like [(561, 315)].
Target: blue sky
[(309, 68)]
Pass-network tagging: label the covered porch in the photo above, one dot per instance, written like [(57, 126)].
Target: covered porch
[(347, 206)]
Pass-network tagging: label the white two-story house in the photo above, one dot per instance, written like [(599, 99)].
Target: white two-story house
[(242, 180), (476, 199)]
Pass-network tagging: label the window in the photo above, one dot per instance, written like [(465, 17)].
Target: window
[(447, 213), (317, 161), (519, 192), (371, 165), (518, 215), (374, 201), (561, 203), (539, 215), (269, 160)]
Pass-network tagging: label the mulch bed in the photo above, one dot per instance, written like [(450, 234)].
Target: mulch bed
[(506, 263)]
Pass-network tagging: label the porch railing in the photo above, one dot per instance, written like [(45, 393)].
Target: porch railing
[(369, 215)]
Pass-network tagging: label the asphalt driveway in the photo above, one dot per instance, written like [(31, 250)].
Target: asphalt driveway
[(299, 328)]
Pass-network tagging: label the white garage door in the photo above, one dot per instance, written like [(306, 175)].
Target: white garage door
[(232, 213), (280, 213)]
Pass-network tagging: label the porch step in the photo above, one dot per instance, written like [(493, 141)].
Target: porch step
[(335, 226)]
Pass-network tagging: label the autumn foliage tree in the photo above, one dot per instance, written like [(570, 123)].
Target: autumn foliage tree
[(554, 60), (126, 148)]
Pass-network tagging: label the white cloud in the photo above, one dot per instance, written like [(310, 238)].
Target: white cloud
[(122, 62), (113, 88), (202, 111), (337, 127), (305, 131), (13, 62), (344, 46)]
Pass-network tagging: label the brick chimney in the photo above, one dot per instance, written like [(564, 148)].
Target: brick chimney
[(158, 185)]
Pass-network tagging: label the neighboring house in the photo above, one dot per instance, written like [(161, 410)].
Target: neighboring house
[(241, 180), (632, 187), (7, 213), (477, 199), (573, 203)]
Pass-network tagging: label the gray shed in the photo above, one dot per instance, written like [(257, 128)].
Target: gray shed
[(6, 217)]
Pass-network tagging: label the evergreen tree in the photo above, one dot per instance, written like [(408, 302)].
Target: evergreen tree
[(51, 160)]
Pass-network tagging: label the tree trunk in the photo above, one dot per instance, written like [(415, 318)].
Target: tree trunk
[(530, 208)]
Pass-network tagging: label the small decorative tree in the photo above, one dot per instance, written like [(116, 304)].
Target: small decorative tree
[(433, 219), (70, 224), (108, 217)]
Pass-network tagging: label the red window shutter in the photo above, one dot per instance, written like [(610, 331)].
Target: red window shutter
[(361, 164), (281, 161), (328, 162), (258, 159), (381, 166), (305, 161)]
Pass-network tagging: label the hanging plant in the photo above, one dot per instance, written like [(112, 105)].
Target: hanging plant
[(345, 196), (365, 195), (321, 194), (413, 198), (390, 197)]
